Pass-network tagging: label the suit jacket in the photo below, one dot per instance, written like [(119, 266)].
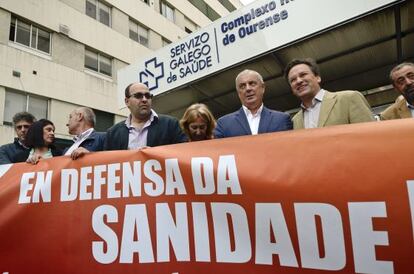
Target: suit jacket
[(398, 110), (342, 107), (236, 124), (164, 130), (94, 142)]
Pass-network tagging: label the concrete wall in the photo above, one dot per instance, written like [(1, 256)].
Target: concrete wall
[(4, 31), (68, 52)]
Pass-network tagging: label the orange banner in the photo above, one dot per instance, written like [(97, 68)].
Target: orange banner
[(309, 201)]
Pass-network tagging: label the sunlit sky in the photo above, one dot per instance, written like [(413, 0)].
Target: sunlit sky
[(247, 1)]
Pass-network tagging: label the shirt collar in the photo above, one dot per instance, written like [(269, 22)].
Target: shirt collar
[(249, 113), (21, 143), (83, 134), (409, 105), (151, 119), (317, 99)]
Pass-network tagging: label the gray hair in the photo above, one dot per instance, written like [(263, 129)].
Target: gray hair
[(23, 116), (88, 115), (398, 67), (246, 71)]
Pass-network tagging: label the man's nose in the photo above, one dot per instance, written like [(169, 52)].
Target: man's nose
[(299, 79)]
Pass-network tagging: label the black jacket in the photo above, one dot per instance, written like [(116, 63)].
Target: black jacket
[(164, 130), (9, 151)]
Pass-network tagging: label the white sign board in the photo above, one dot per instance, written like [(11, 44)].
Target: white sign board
[(248, 32)]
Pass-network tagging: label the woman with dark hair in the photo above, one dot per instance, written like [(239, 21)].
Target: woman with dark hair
[(39, 139), (198, 123)]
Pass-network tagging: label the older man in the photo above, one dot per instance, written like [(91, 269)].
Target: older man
[(21, 121), (402, 78), (81, 123), (321, 108), (253, 117), (144, 127)]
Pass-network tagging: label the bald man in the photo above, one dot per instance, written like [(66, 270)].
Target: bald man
[(81, 123), (143, 127)]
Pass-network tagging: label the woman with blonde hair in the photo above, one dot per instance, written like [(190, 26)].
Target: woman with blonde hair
[(198, 123)]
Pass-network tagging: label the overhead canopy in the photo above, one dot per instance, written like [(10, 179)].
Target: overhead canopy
[(356, 53)]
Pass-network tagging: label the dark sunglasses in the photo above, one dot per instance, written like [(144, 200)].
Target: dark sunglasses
[(139, 95), (22, 126)]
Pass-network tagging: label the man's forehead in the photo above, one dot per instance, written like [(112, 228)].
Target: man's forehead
[(404, 70), (248, 76), (138, 87), (23, 122)]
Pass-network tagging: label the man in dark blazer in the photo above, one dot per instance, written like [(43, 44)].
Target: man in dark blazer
[(252, 118), (143, 127), (81, 123)]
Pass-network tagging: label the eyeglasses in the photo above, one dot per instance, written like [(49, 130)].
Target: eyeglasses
[(22, 126), (139, 95)]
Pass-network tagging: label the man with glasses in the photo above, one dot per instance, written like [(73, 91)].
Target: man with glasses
[(402, 78), (21, 121), (143, 127)]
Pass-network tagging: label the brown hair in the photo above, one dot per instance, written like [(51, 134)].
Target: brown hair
[(306, 61)]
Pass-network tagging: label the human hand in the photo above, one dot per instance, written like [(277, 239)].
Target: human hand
[(34, 159), (79, 152)]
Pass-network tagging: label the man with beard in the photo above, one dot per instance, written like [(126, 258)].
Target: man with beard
[(253, 117), (402, 78), (143, 127), (321, 108)]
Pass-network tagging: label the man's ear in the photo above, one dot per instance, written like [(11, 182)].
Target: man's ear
[(80, 116)]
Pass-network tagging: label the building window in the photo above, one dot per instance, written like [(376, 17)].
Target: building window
[(167, 11), (189, 26), (229, 6), (104, 120), (17, 102), (138, 33), (98, 62), (99, 11), (165, 42), (206, 9), (29, 35)]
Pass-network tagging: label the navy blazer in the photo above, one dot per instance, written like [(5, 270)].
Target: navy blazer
[(94, 142), (236, 124), (164, 130)]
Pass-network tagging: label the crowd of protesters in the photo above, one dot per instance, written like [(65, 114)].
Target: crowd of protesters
[(146, 128)]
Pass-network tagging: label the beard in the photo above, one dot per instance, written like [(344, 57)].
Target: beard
[(409, 94)]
